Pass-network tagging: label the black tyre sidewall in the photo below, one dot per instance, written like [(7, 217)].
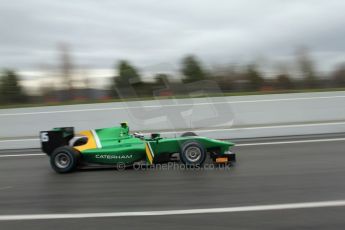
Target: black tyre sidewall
[(71, 153), (188, 144)]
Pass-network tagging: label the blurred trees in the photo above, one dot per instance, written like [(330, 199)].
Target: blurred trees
[(231, 78), (256, 81), (192, 69), (306, 67), (283, 81), (10, 90), (127, 74), (66, 67), (161, 78), (127, 82), (339, 76)]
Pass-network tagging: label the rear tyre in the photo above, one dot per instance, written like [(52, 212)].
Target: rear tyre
[(64, 159), (193, 153), (188, 134)]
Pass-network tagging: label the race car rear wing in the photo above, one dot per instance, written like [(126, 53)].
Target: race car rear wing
[(50, 140)]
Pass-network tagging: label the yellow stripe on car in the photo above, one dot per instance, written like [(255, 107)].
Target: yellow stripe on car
[(91, 142), (148, 153)]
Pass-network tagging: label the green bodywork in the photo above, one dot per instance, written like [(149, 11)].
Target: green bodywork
[(116, 145)]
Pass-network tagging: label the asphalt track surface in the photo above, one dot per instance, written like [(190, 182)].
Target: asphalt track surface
[(264, 175)]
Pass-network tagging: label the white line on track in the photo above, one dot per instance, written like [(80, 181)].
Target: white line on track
[(22, 155), (239, 145), (292, 142), (18, 140), (174, 105), (272, 207)]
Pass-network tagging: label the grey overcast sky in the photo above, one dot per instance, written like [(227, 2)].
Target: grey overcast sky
[(152, 32)]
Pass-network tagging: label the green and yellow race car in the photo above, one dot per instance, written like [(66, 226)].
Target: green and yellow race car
[(113, 146)]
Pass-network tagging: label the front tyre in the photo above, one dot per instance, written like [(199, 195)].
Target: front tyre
[(64, 159), (193, 153)]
